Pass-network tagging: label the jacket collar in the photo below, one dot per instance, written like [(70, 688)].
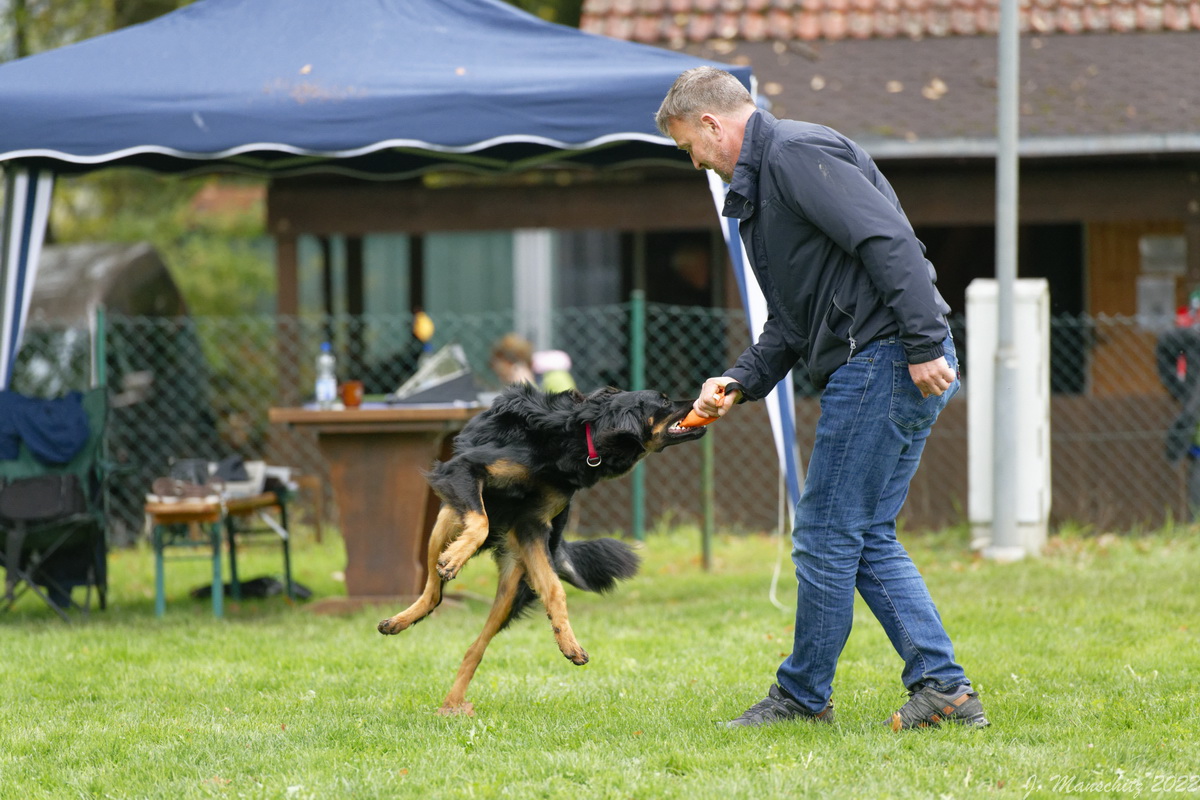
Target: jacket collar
[(743, 191)]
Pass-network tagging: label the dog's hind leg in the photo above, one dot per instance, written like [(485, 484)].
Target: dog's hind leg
[(510, 580), (545, 582), (444, 530)]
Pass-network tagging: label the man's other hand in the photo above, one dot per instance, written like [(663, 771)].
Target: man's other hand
[(932, 377)]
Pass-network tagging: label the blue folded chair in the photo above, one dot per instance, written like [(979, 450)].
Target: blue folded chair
[(53, 520)]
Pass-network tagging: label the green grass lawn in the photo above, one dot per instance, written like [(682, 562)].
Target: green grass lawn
[(1087, 661)]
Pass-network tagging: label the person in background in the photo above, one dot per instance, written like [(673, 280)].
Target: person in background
[(554, 369), (1177, 355), (512, 359), (852, 296)]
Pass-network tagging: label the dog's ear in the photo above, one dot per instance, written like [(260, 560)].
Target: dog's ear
[(594, 405), (623, 423), (599, 399), (620, 448), (618, 424), (622, 428)]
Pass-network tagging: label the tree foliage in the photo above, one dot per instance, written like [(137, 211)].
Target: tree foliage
[(564, 12), (218, 253), (31, 26)]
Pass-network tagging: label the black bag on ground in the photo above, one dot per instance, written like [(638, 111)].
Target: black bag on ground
[(42, 497), (256, 587)]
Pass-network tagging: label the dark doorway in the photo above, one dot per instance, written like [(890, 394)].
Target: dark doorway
[(1054, 252), (677, 270), (678, 267)]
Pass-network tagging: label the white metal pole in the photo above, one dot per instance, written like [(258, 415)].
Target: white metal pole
[(1006, 544), (533, 285)]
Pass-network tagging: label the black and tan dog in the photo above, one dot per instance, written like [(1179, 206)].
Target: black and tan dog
[(508, 488)]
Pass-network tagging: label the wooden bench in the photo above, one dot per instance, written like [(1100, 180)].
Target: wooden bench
[(197, 523)]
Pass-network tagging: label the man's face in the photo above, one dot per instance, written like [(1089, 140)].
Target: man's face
[(708, 143)]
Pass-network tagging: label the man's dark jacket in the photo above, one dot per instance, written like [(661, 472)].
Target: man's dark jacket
[(834, 254)]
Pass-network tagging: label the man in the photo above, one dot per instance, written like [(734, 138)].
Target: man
[(850, 293)]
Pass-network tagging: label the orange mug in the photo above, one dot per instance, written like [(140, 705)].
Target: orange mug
[(352, 394)]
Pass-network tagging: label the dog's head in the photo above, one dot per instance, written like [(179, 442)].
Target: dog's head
[(629, 425)]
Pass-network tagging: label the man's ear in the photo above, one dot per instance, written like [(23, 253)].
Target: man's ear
[(711, 123)]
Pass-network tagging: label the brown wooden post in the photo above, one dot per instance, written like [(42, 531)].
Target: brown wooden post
[(416, 272), (286, 276), (287, 322), (1191, 229), (326, 248), (355, 308)]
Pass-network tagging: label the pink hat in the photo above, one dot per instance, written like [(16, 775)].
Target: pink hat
[(551, 361)]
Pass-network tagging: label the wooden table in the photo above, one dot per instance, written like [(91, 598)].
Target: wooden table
[(375, 454)]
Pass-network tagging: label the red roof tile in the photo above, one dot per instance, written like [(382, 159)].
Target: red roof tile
[(672, 22)]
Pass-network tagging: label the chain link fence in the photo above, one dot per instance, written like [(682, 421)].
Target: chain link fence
[(201, 387)]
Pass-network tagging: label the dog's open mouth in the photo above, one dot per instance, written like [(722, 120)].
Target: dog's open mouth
[(677, 429)]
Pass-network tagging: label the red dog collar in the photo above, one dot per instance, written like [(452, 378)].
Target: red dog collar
[(593, 459)]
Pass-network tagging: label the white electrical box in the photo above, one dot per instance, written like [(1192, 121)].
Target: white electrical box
[(1031, 332)]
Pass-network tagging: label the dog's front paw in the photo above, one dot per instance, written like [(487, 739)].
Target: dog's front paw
[(577, 656), (391, 625), (465, 709)]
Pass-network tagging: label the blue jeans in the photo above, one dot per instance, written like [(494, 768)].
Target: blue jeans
[(869, 439)]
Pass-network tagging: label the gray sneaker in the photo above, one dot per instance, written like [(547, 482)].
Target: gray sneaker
[(927, 707), (777, 706)]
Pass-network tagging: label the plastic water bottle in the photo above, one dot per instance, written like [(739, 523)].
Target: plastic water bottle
[(326, 390)]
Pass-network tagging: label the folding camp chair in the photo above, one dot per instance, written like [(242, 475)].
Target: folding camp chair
[(52, 556)]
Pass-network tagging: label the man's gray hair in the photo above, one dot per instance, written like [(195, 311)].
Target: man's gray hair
[(702, 90)]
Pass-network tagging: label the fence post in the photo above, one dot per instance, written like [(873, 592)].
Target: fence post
[(637, 380), (706, 492), (100, 349)]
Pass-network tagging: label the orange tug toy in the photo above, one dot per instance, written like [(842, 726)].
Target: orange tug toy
[(694, 420)]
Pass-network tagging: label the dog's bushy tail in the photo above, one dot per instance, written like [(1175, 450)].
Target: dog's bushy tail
[(595, 565)]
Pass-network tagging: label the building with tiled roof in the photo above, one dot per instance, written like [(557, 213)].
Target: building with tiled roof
[(912, 78), (675, 22)]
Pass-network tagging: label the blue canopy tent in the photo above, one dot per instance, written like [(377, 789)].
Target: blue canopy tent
[(22, 225), (375, 89)]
